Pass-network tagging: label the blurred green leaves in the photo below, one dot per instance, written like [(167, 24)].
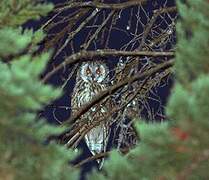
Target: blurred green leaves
[(12, 41), (23, 154), (21, 87), (17, 12)]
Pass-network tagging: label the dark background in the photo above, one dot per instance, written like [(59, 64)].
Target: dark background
[(59, 110)]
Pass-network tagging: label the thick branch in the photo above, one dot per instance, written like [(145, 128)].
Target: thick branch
[(102, 53), (116, 6)]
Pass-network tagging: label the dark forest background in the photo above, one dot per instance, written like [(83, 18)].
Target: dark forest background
[(122, 34)]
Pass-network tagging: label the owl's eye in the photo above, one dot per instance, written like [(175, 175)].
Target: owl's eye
[(98, 71), (88, 71)]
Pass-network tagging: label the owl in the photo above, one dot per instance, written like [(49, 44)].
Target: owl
[(92, 78)]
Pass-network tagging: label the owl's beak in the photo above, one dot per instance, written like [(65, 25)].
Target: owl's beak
[(93, 77)]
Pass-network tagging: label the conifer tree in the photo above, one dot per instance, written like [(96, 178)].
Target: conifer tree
[(178, 149), (23, 154)]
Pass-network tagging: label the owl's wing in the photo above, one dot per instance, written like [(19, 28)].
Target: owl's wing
[(74, 100), (69, 138)]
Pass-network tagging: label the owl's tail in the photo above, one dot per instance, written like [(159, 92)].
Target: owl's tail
[(96, 140), (99, 161)]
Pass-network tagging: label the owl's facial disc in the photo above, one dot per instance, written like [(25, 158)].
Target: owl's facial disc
[(86, 73), (99, 72), (93, 72)]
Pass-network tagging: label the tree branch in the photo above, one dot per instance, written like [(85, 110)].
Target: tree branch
[(116, 6), (89, 55), (97, 156)]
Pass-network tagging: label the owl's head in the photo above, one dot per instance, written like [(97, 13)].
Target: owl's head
[(94, 71)]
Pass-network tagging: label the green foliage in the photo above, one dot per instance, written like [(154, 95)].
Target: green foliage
[(21, 132), (20, 85), (192, 102), (17, 12), (12, 41), (177, 149), (157, 156), (23, 154), (193, 40), (200, 100)]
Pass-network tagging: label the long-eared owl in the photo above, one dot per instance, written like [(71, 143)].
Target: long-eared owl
[(92, 78)]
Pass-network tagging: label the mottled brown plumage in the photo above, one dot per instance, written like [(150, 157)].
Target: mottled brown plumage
[(91, 79)]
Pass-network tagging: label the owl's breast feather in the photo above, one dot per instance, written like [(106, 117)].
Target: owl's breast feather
[(89, 92)]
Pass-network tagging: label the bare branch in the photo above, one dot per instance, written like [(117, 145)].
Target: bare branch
[(100, 5), (101, 53)]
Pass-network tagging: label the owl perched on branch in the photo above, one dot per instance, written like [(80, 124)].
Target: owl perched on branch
[(92, 78)]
